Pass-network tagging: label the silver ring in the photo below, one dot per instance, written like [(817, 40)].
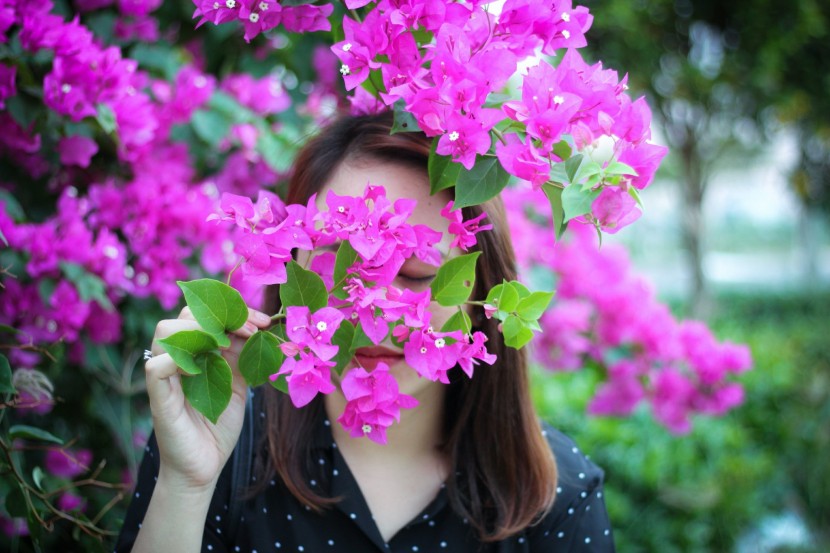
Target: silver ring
[(147, 354)]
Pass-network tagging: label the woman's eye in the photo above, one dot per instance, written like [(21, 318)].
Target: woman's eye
[(417, 279)]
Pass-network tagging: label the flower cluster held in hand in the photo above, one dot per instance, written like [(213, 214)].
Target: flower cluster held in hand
[(373, 236)]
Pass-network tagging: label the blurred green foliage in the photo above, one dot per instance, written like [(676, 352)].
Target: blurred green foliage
[(701, 492)]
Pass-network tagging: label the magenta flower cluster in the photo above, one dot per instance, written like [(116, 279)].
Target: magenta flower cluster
[(258, 16), (607, 314), (125, 228), (370, 299)]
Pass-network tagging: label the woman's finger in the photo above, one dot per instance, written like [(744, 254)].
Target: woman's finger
[(168, 327), (161, 375), (258, 318)]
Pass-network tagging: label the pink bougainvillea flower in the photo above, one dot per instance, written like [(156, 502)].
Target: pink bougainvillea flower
[(313, 331), (614, 209), (306, 377), (77, 150), (464, 231), (68, 463), (373, 402)]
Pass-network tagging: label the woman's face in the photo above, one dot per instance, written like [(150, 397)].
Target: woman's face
[(400, 181)]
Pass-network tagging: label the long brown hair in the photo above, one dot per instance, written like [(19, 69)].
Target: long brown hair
[(503, 475)]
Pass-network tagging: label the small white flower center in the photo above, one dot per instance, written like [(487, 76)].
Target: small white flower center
[(254, 17), (111, 252), (423, 349), (566, 17), (142, 279), (230, 3), (66, 88), (440, 343), (354, 315), (263, 6), (341, 209), (200, 81), (344, 70), (566, 33), (453, 136), (321, 326), (216, 5), (558, 100), (366, 428), (347, 46)]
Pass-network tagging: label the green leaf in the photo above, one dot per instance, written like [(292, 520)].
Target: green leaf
[(345, 258), (303, 288), (3, 238), (296, 2), (106, 118), (532, 307), (360, 339), (516, 333), (484, 181), (453, 283), (278, 154), (403, 120), (89, 286), (6, 386), (31, 433), (217, 307), (161, 59), (504, 297), (562, 149), (210, 126), (587, 169), (183, 347), (576, 202), (37, 477), (209, 392), (343, 339), (554, 194), (459, 321), (443, 172), (572, 165), (261, 357), (522, 290), (619, 168), (558, 174), (12, 206), (15, 503), (22, 109), (636, 195)]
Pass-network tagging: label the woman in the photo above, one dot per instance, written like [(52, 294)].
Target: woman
[(469, 469)]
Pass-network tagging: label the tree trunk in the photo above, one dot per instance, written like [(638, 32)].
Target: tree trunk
[(700, 303)]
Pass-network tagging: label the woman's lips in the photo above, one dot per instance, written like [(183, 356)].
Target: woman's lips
[(369, 358)]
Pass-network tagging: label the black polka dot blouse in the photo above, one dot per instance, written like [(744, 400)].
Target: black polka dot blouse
[(274, 521)]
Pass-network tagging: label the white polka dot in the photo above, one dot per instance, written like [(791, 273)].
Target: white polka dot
[(210, 547), (575, 449), (426, 517), (607, 532), (278, 545), (300, 548), (414, 548), (137, 494), (558, 489), (581, 475), (352, 516), (588, 508), (237, 548), (587, 540), (289, 517), (560, 535), (584, 494), (443, 544), (521, 539), (599, 494), (265, 509), (326, 422), (218, 517), (331, 542), (313, 482), (431, 523), (322, 461), (570, 511), (335, 472)]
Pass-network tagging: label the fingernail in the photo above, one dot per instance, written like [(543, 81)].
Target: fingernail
[(261, 318), (249, 328)]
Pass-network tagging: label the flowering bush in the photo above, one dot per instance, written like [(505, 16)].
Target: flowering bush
[(122, 131)]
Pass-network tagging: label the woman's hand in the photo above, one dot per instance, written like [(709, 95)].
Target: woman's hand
[(193, 450)]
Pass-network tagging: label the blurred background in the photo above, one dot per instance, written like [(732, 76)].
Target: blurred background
[(736, 232)]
